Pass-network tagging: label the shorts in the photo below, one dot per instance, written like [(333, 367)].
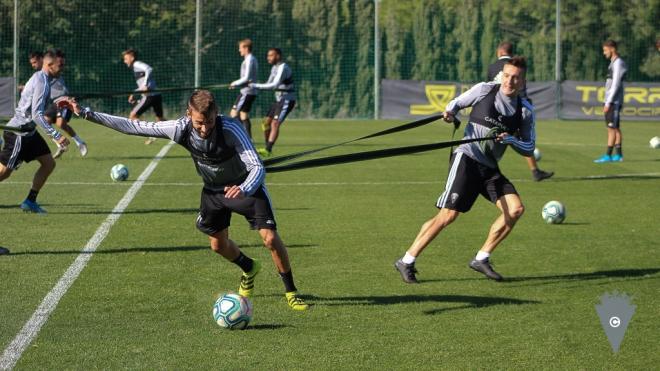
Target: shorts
[(215, 211), (244, 102), (52, 113), (613, 116), (147, 101), (20, 148), (280, 110), (467, 180)]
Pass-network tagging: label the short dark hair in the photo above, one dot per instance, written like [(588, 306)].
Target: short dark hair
[(276, 50), (36, 55), (506, 47), (518, 61), (610, 43), (203, 101), (59, 53), (247, 43), (130, 51), (50, 54)]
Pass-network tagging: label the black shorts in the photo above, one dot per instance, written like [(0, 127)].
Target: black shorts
[(280, 110), (215, 211), (52, 112), (155, 101), (244, 102), (613, 116), (469, 178), (19, 148)]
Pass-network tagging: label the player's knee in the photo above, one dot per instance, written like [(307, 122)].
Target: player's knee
[(269, 240), (5, 172), (445, 217), (516, 212)]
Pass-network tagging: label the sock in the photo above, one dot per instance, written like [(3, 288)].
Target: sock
[(244, 262), (482, 255), (287, 278), (78, 140), (408, 259), (269, 146), (248, 127), (32, 196), (617, 149), (609, 151)]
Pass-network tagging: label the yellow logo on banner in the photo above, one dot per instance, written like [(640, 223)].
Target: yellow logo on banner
[(595, 96), (438, 96)]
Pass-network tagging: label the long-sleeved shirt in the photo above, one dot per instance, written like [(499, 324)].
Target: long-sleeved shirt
[(524, 140), (616, 72), (32, 104), (58, 89), (281, 78), (225, 158), (143, 78), (248, 75)]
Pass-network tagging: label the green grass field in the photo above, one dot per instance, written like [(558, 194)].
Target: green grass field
[(144, 299)]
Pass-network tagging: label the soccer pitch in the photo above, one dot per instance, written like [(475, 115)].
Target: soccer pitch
[(144, 299)]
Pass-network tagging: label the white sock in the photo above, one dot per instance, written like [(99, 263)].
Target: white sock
[(408, 259), (482, 255), (78, 140)]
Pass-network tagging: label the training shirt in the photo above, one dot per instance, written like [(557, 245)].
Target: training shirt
[(58, 89), (226, 158), (248, 75), (143, 77), (616, 72), (490, 154), (281, 78), (32, 104)]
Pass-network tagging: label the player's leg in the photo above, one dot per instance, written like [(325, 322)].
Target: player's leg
[(9, 154), (611, 135), (157, 104), (283, 110), (46, 167), (247, 124), (537, 173), (618, 152)]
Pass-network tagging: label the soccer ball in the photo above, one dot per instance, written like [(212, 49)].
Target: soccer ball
[(553, 212), (537, 154), (655, 142), (119, 173), (232, 311)]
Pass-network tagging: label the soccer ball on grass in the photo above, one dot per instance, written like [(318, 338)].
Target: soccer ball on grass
[(553, 212), (232, 311)]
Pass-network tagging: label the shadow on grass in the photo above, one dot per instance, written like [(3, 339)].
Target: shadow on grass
[(469, 301), (185, 210), (606, 177), (127, 250), (117, 158), (266, 326)]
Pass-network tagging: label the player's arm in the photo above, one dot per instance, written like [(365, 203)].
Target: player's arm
[(525, 142), (273, 81), (467, 99), (40, 97), (256, 171), (617, 76), (245, 78), (163, 129)]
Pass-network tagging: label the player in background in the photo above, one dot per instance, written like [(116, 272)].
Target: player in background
[(62, 115), (504, 53), (280, 80), (616, 73), (145, 81), (497, 109), (246, 97), (28, 146), (233, 179)]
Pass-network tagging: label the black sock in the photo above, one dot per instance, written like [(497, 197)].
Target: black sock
[(32, 196), (287, 278), (269, 146), (244, 262), (248, 127), (617, 150), (609, 150)]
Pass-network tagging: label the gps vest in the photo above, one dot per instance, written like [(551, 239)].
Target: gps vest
[(484, 113)]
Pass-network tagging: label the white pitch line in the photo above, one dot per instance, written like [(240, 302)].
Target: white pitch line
[(31, 329)]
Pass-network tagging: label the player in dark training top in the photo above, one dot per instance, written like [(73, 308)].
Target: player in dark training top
[(233, 178), (497, 110)]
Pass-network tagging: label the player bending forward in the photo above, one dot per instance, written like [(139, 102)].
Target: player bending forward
[(233, 181)]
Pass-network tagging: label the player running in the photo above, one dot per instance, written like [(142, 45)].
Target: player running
[(497, 109), (233, 182), (616, 73), (29, 145), (145, 82), (243, 104), (281, 80)]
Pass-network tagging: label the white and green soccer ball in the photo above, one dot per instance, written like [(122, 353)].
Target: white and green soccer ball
[(232, 311), (655, 142), (553, 212), (119, 173), (537, 154)]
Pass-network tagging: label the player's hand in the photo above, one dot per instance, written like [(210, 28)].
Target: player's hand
[(606, 108), (448, 116), (505, 138), (252, 85), (62, 142), (234, 192), (131, 100), (232, 86), (72, 105)]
